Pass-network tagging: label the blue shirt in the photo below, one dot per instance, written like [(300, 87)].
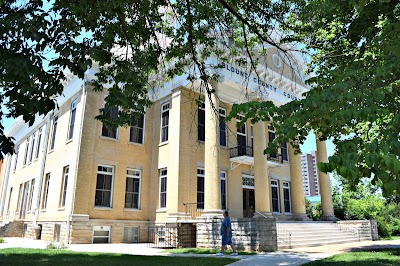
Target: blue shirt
[(226, 223)]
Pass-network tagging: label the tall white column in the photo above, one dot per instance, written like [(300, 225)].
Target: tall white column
[(324, 184), (261, 179), (212, 183), (296, 186)]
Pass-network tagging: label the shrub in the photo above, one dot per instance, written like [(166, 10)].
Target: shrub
[(55, 245), (1, 240)]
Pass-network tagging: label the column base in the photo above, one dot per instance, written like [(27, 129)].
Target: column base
[(328, 217), (175, 217), (300, 217), (263, 215), (212, 214)]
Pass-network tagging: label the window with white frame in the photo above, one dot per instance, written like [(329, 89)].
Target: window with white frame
[(284, 151), (275, 195), (241, 136), (20, 195), (104, 186), (39, 142), (286, 196), (163, 188), (101, 234), (164, 122), (31, 195), (64, 186), (131, 234), (45, 194), (32, 147), (28, 140), (16, 158), (222, 127), (200, 188), (132, 192), (223, 190), (136, 133), (271, 137), (53, 135), (9, 200), (201, 122), (72, 116), (247, 181), (112, 113)]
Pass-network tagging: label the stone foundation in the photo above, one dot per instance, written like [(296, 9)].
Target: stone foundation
[(251, 234)]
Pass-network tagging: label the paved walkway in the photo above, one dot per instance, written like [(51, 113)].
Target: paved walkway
[(288, 257)]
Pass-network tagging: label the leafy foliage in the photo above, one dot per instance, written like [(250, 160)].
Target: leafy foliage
[(354, 57), (134, 45), (366, 202)]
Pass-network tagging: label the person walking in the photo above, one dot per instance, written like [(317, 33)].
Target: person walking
[(226, 233)]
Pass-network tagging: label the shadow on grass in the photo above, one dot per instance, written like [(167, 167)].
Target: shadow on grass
[(370, 257), (24, 256), (204, 251)]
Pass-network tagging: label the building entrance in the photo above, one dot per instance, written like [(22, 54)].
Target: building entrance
[(249, 204)]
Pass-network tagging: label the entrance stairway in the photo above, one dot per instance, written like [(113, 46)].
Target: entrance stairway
[(308, 234)]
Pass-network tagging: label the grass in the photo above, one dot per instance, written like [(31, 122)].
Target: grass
[(59, 257), (204, 251), (392, 238), (373, 257)]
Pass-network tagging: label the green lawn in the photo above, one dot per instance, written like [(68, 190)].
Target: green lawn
[(25, 256), (204, 251), (378, 257)]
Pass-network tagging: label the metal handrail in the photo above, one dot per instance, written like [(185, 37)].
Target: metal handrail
[(192, 211), (279, 232), (349, 229), (241, 151), (9, 216)]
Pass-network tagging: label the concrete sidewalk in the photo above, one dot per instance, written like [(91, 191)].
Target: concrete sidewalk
[(286, 257)]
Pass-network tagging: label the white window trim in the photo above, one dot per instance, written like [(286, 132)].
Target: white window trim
[(39, 140), (161, 126), (53, 140), (226, 186), (112, 185), (101, 228), (32, 148), (140, 186), (226, 126), (197, 189), (286, 185), (75, 100), (28, 141), (245, 127), (159, 189), (144, 131), (247, 176), (275, 184)]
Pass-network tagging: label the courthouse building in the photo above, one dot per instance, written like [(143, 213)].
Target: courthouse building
[(74, 180)]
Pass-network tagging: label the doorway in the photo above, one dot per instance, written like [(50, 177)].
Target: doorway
[(249, 204)]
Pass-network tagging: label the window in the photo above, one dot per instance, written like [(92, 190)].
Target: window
[(32, 147), (26, 150), (163, 188), (286, 196), (201, 122), (31, 195), (101, 234), (223, 190), (132, 193), (241, 136), (16, 158), (284, 151), (271, 137), (200, 188), (136, 131), (252, 136), (111, 112), (53, 135), (164, 122), (72, 119), (20, 195), (9, 200), (45, 191), (275, 195), (105, 176), (39, 142), (131, 235), (222, 127), (64, 186)]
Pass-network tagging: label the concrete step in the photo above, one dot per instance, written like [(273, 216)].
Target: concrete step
[(308, 234)]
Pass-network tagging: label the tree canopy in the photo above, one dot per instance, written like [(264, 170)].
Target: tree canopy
[(352, 48)]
